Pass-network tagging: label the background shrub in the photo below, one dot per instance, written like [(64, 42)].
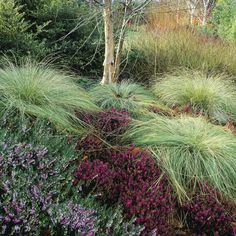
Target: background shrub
[(15, 36), (189, 150), (73, 32), (224, 20), (68, 32)]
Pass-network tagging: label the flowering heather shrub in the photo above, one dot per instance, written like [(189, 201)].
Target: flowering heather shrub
[(111, 123), (89, 143), (32, 181), (36, 194), (130, 176), (74, 217), (105, 186), (206, 215)]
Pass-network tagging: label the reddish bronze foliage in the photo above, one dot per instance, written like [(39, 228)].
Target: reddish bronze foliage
[(130, 176), (209, 214)]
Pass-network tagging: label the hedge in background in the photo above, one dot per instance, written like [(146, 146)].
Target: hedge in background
[(66, 32)]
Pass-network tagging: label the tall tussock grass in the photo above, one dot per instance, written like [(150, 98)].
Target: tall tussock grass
[(36, 90), (156, 52), (210, 95), (190, 150), (123, 95)]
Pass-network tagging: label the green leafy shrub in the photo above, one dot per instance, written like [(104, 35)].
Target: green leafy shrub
[(213, 96), (42, 92), (68, 32), (71, 31), (224, 19), (123, 95), (190, 150)]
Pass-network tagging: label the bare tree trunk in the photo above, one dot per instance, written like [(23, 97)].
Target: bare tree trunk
[(192, 5), (206, 4), (109, 65), (120, 43)]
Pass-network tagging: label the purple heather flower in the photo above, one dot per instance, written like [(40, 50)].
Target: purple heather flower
[(128, 176)]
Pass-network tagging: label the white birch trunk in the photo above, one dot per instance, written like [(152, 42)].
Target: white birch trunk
[(205, 11), (109, 67)]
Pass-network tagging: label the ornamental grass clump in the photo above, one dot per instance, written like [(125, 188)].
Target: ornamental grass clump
[(41, 92), (190, 150), (131, 177), (213, 96), (123, 95)]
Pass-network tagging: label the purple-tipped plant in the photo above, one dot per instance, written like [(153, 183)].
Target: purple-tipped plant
[(74, 217), (110, 124), (208, 213), (32, 182), (131, 177)]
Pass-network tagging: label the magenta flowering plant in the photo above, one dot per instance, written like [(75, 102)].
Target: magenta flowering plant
[(110, 124), (130, 176), (106, 127), (208, 213), (113, 121)]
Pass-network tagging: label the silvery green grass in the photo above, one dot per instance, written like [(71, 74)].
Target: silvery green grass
[(189, 150), (123, 95), (36, 90), (212, 95)]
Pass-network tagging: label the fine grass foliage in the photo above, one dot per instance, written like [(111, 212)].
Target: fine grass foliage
[(38, 91), (156, 52), (213, 95), (123, 95), (190, 150)]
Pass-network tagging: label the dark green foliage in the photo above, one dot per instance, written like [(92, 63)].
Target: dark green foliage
[(87, 83), (69, 32), (72, 33), (15, 36)]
